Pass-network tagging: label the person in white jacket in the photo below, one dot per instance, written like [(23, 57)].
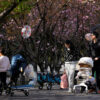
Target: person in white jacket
[(4, 67)]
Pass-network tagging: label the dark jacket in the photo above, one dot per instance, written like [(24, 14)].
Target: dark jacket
[(71, 55), (95, 52)]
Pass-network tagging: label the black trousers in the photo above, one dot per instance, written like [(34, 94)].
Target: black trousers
[(14, 77), (98, 78), (3, 84)]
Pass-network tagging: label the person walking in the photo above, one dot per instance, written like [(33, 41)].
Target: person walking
[(71, 57), (4, 67), (94, 49)]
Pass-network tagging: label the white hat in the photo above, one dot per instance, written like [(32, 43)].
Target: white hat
[(86, 60)]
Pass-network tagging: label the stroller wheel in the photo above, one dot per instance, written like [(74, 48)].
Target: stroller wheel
[(12, 93), (7, 92), (0, 93), (26, 92), (77, 90), (73, 91), (49, 86), (40, 87), (1, 90)]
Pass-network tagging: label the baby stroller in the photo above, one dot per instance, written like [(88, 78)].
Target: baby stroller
[(85, 80), (48, 79), (41, 80), (45, 78), (18, 65), (52, 79)]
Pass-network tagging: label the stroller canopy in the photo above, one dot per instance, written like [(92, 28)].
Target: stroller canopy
[(86, 60)]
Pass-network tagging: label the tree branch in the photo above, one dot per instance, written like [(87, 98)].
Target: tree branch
[(8, 10)]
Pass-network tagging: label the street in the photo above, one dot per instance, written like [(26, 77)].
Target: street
[(54, 94)]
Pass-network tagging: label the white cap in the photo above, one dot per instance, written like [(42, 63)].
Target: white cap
[(86, 60)]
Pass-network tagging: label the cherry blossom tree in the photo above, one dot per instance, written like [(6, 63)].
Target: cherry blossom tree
[(52, 22)]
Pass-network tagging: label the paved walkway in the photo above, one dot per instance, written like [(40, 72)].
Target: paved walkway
[(54, 94)]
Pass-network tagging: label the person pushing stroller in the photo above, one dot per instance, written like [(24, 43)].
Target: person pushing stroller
[(18, 65)]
